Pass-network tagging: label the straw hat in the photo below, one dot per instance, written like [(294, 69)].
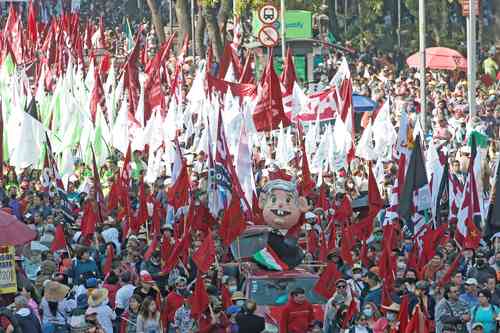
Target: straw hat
[(55, 291), (97, 297), (238, 295)]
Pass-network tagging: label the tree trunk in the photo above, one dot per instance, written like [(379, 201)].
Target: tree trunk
[(224, 13), (184, 19), (213, 31), (200, 34), (157, 21)]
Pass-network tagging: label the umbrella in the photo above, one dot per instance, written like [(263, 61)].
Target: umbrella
[(363, 103), (14, 232), (439, 58)]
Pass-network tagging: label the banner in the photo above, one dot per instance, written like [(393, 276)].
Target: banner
[(8, 283)]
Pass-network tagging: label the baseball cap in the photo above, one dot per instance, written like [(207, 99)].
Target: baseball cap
[(477, 325), (471, 282)]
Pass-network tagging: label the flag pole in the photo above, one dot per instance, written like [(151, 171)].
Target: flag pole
[(283, 29)]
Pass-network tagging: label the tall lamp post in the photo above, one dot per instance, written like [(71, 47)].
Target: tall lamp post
[(423, 93)]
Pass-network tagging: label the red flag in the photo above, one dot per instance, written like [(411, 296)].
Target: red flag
[(288, 77), (269, 111), (102, 36), (97, 98), (199, 301), (110, 254), (154, 97), (312, 242), (32, 26), (204, 257), (323, 250), (178, 194), (165, 248), (418, 323), (247, 74), (226, 297), (178, 252), (230, 58), (325, 286), (346, 246), (156, 219), (445, 279), (307, 184), (233, 221), (89, 218), (59, 241), (404, 312), (351, 312), (363, 255), (142, 214), (152, 247)]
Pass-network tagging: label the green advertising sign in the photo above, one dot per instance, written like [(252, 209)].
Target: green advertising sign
[(300, 66), (298, 24)]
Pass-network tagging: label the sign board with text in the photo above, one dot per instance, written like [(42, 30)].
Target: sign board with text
[(8, 282), (298, 24)]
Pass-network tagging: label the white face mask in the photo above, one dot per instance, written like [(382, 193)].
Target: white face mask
[(232, 289), (357, 276)]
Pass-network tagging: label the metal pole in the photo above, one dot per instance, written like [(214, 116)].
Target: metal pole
[(423, 94), (345, 16), (283, 29), (399, 23), (471, 58), (193, 28)]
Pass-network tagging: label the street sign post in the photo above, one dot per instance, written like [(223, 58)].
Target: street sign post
[(268, 36)]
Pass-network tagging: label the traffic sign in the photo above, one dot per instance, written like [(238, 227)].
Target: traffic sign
[(268, 14), (268, 36), (466, 7)]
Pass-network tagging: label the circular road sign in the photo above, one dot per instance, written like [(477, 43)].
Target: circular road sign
[(268, 14), (268, 36)]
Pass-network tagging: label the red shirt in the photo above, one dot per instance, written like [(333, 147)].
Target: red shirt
[(296, 318), (206, 326), (112, 289)]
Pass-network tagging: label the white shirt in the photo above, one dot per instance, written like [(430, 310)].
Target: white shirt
[(123, 296), (105, 315)]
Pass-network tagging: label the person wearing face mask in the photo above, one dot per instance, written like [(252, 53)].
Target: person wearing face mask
[(356, 284), (174, 301), (481, 270), (371, 313), (238, 299), (392, 317)]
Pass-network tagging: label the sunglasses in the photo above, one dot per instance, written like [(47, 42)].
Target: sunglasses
[(343, 286)]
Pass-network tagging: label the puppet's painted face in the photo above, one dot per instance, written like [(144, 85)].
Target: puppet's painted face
[(282, 209)]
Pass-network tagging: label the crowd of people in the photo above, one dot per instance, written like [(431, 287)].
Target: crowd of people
[(115, 281)]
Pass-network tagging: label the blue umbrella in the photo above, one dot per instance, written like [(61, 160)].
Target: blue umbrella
[(363, 103)]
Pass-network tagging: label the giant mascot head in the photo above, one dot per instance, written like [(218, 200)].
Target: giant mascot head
[(281, 204)]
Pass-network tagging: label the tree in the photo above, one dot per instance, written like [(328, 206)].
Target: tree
[(157, 21)]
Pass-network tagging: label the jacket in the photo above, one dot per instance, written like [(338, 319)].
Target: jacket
[(296, 317), (250, 323)]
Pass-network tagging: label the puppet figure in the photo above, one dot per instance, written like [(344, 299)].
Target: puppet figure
[(282, 208)]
